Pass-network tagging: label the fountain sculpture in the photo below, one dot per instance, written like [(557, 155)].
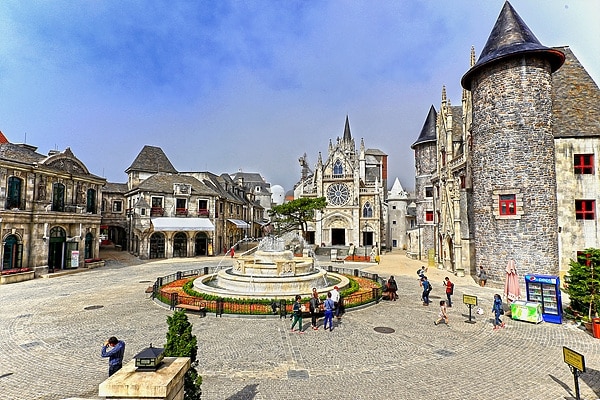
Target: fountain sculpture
[(271, 271)]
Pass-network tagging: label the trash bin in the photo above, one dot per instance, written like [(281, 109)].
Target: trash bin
[(596, 327)]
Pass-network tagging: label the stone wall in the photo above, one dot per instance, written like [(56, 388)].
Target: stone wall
[(513, 152)]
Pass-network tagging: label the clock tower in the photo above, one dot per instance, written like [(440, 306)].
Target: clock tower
[(354, 184)]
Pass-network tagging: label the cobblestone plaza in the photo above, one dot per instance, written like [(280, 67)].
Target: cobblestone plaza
[(52, 331)]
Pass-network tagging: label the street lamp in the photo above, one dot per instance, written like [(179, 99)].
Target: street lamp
[(149, 359)]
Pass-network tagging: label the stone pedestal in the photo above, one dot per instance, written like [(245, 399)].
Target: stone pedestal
[(166, 383)]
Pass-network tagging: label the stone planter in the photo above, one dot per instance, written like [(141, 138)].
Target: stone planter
[(94, 264), (20, 277)]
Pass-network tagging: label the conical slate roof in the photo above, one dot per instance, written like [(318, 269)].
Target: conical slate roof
[(511, 37), (428, 130)]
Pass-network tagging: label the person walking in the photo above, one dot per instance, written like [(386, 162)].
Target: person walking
[(443, 315), (449, 290), (335, 297), (498, 311), (392, 288), (482, 276), (426, 290), (297, 314), (114, 349), (314, 307), (329, 307)]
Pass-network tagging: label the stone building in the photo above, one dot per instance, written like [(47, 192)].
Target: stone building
[(49, 209), (401, 216), (355, 186), (178, 214), (515, 164)]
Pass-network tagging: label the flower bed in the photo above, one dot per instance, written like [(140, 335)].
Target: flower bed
[(16, 275)]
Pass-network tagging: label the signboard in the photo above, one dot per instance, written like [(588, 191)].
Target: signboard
[(74, 258), (574, 359), (470, 300)]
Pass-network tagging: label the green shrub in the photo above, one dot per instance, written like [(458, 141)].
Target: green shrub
[(583, 283)]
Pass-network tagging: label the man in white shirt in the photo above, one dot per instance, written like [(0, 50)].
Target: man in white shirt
[(335, 296)]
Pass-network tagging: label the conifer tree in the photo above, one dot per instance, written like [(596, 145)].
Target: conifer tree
[(182, 343), (584, 282)]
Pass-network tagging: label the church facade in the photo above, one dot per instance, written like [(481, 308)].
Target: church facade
[(354, 182)]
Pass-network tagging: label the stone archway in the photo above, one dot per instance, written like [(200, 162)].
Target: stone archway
[(180, 245), (157, 245)]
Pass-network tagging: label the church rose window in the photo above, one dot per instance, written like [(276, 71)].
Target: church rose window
[(338, 194)]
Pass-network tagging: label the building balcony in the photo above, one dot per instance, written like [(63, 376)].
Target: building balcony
[(181, 211), (157, 212), (203, 212)]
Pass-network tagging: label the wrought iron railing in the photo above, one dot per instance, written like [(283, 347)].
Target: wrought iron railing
[(221, 306)]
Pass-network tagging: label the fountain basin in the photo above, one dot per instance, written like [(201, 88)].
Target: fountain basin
[(227, 283)]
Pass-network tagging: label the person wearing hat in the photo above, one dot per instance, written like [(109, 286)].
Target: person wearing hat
[(335, 296)]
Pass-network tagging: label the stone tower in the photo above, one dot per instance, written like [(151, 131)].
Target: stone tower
[(513, 164), (422, 238)]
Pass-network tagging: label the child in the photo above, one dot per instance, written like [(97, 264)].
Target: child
[(443, 315)]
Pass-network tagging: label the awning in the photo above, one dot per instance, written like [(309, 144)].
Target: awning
[(239, 223), (182, 224)]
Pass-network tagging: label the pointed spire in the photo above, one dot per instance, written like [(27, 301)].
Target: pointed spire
[(319, 161), (428, 133), (509, 37), (444, 98), (472, 56), (347, 135)]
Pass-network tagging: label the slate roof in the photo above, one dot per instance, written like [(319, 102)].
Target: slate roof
[(428, 130), (511, 37), (19, 153), (163, 183), (151, 159), (111, 187), (576, 100)]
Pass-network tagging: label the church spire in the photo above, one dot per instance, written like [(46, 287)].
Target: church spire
[(347, 134)]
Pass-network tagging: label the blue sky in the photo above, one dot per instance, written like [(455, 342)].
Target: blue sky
[(251, 85)]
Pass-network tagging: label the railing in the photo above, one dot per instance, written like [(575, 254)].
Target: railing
[(243, 306), (181, 211), (203, 212)]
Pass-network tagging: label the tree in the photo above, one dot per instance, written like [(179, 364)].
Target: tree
[(182, 343), (297, 213), (584, 282)]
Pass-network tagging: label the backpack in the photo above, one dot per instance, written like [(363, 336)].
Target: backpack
[(429, 287)]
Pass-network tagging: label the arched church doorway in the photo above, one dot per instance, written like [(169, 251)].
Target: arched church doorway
[(338, 237)]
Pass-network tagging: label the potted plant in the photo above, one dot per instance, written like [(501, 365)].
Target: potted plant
[(583, 285)]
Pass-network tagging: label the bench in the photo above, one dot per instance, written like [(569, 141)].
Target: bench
[(198, 307)]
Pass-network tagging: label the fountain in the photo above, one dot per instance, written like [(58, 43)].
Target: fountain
[(271, 270)]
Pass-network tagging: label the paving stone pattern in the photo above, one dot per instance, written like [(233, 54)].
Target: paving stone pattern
[(52, 331)]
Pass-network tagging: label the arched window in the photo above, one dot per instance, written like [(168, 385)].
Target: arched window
[(13, 196), (157, 245), (91, 201), (338, 168), (367, 210), (13, 253), (58, 197), (180, 245)]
